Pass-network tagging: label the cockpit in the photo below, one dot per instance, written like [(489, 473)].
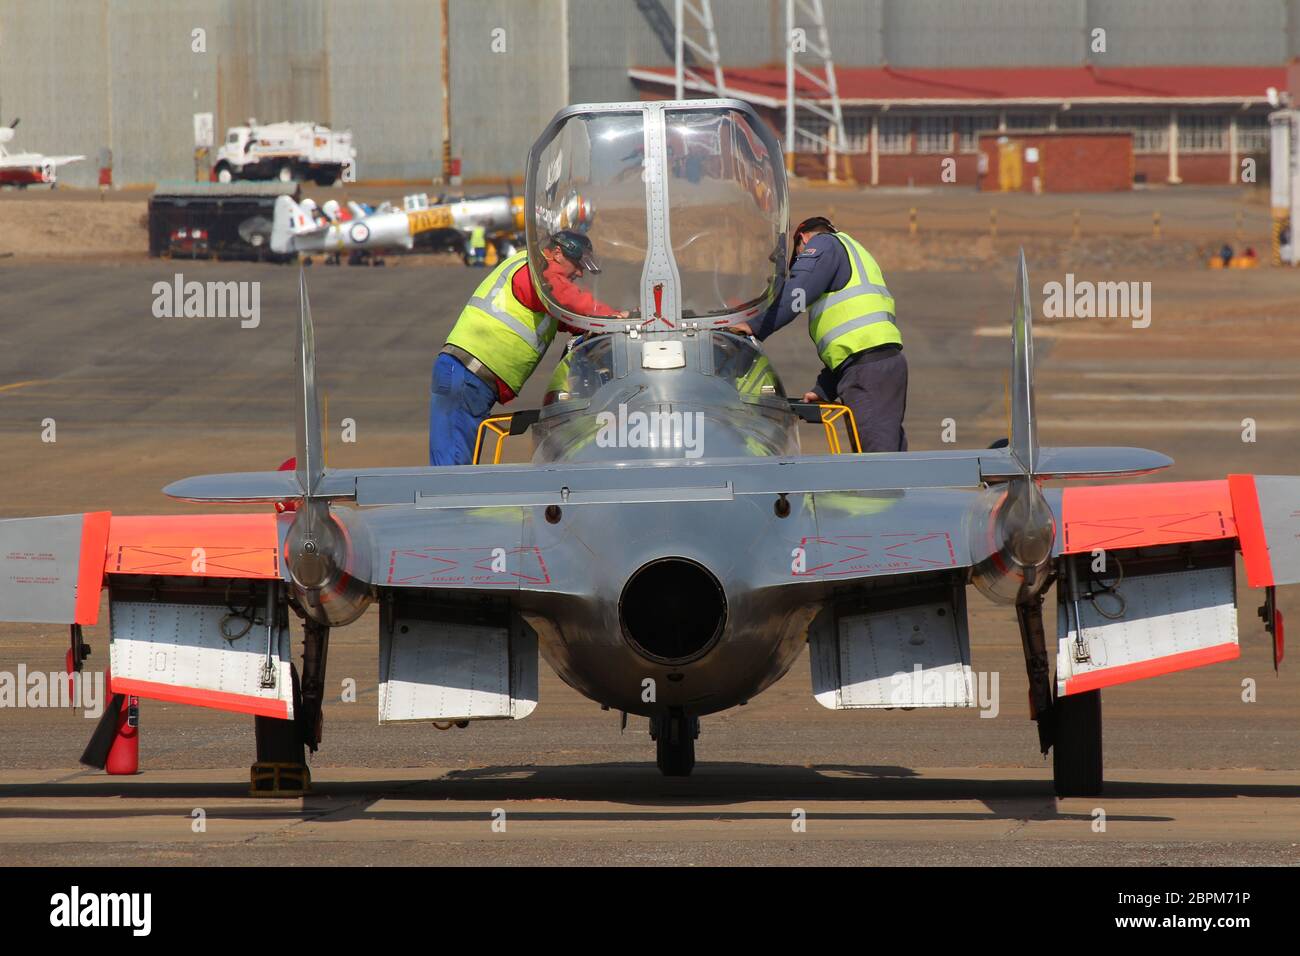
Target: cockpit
[(655, 364), (656, 216)]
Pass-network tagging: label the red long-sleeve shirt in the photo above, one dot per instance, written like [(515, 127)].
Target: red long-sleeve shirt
[(563, 290)]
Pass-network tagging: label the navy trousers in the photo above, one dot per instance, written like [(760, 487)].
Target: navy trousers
[(874, 386)]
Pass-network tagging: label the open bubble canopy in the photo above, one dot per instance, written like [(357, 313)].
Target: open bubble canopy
[(684, 204)]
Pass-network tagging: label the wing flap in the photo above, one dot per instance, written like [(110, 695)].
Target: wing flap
[(1155, 619), (202, 654)]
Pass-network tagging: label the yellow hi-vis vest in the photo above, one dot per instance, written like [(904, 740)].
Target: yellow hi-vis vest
[(499, 331), (478, 239), (858, 317)]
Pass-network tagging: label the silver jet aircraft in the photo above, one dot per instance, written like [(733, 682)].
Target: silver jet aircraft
[(669, 550)]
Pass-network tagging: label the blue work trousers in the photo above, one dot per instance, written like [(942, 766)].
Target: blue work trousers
[(458, 402)]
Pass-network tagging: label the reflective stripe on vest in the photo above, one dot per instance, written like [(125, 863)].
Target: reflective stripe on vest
[(858, 317), (760, 373), (501, 332)]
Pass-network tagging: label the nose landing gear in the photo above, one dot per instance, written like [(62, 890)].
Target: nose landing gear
[(674, 736)]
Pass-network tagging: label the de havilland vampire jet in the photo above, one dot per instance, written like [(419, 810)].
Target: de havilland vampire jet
[(681, 574)]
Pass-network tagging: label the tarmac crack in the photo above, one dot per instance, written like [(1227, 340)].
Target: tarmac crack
[(1048, 809), (323, 815)]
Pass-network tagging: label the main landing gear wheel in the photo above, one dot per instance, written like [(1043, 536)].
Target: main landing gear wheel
[(675, 744), (1076, 753)]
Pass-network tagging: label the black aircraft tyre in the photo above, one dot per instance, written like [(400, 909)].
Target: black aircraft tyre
[(675, 745), (1076, 753)]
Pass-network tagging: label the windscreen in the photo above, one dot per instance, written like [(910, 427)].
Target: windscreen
[(590, 198), (727, 211)]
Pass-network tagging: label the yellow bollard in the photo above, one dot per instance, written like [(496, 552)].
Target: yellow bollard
[(1155, 224), (911, 221)]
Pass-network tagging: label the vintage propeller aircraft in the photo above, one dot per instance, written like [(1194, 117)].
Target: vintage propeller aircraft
[(297, 229), (679, 575)]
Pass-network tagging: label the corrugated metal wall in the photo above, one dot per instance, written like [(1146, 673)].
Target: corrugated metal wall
[(386, 86), (501, 100), (157, 84), (89, 74), (1200, 32), (986, 33), (53, 65), (85, 74)]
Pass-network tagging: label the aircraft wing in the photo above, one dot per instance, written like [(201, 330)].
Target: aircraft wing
[(1145, 580), (1149, 577), (185, 592)]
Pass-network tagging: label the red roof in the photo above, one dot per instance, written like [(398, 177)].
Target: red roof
[(1052, 84)]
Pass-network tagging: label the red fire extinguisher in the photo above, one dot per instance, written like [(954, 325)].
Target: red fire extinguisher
[(124, 754)]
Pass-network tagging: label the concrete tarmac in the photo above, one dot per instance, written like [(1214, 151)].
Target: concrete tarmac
[(1197, 774)]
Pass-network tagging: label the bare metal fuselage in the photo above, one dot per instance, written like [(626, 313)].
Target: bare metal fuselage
[(600, 637)]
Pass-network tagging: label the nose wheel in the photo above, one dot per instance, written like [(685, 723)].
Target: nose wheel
[(674, 737)]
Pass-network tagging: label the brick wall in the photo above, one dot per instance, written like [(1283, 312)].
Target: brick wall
[(1067, 161)]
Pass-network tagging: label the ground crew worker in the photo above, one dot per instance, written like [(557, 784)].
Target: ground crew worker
[(851, 322), (477, 246), (499, 339)]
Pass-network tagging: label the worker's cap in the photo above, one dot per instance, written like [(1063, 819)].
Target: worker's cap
[(577, 249), (815, 222), (812, 222)]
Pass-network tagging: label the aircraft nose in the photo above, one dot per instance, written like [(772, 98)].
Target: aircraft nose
[(672, 610)]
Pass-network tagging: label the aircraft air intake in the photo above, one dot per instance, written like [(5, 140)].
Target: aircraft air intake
[(672, 610)]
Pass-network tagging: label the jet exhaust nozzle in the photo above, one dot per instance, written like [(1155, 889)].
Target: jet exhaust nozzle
[(672, 610)]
